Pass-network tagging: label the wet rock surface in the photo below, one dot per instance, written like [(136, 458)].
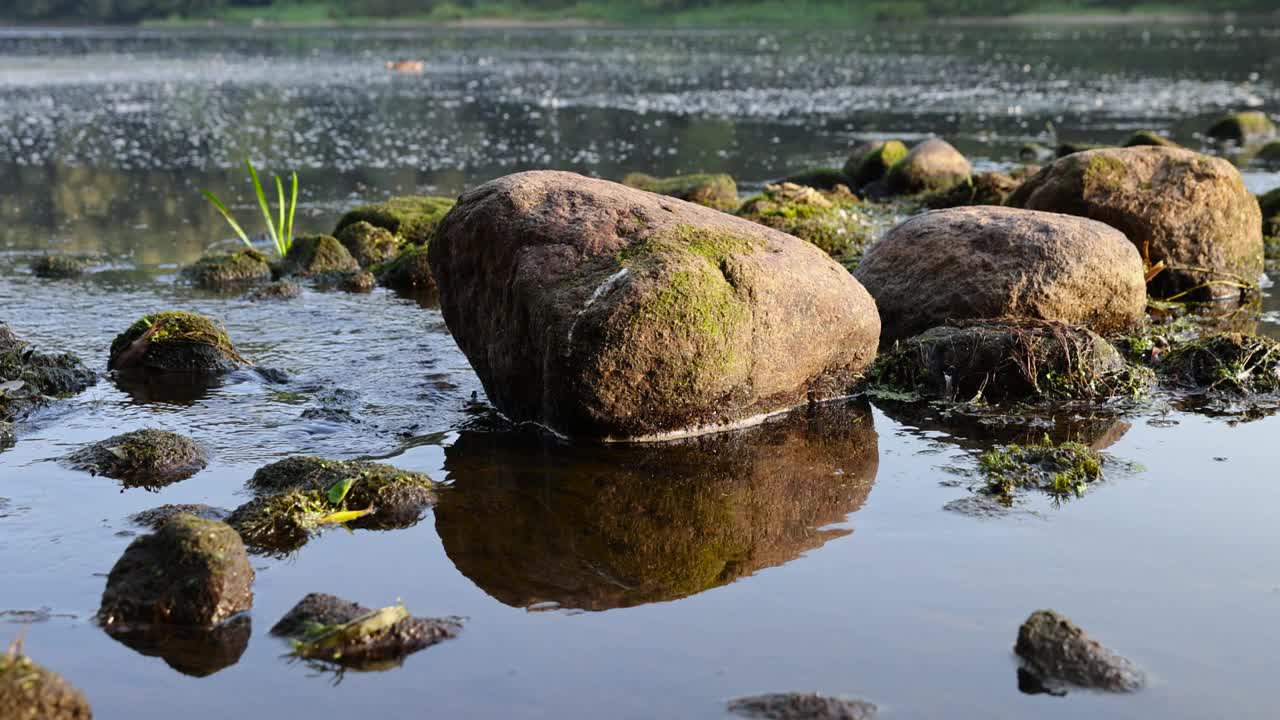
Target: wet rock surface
[(1242, 127), (603, 311), (1059, 653), (281, 290), (713, 191), (802, 706), (1188, 211), (143, 458), (992, 262), (31, 692), (188, 572), (174, 342), (327, 628), (412, 218), (228, 270), (30, 379)]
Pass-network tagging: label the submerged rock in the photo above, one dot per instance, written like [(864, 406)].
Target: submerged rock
[(411, 269), (1148, 137), (1062, 470), (1189, 211), (536, 523), (157, 516), (30, 692), (191, 650), (988, 188), (282, 290), (312, 255), (607, 312), (931, 166), (144, 458), (1058, 652), (369, 244), (832, 221), (1242, 127), (300, 495), (717, 191), (30, 379), (328, 628), (412, 218), (802, 706), (871, 161), (189, 572), (993, 262), (1004, 360), (59, 267), (175, 342), (216, 272)]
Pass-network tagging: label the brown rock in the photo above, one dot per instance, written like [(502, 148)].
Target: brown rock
[(1187, 210), (607, 312), (995, 262), (931, 166), (1058, 652)]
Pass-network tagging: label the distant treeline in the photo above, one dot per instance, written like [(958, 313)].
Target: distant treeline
[(131, 11)]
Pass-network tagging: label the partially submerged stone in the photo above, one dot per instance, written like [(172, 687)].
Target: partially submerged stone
[(988, 188), (299, 496), (327, 628), (410, 269), (188, 572), (1242, 127), (30, 379), (832, 221), (157, 516), (175, 342), (1008, 360), (871, 161), (358, 282), (713, 190), (1227, 362), (412, 218), (1060, 469), (368, 243), (826, 179), (281, 290), (144, 458), (59, 267), (312, 255), (1148, 137), (31, 692), (1187, 213), (802, 706), (995, 262), (931, 166), (1058, 652), (603, 311), (226, 270)]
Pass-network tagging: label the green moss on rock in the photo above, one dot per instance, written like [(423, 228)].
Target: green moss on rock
[(59, 267), (1148, 137), (229, 269), (312, 255), (144, 458), (834, 222), (412, 218), (1242, 127), (871, 161), (31, 692), (368, 243), (930, 166), (410, 269), (29, 379), (174, 341), (717, 191), (1063, 470)]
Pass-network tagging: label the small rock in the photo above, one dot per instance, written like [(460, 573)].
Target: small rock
[(988, 188), (281, 290), (175, 342), (802, 706), (1148, 137), (413, 218), (411, 269), (217, 272), (144, 458), (368, 243), (1057, 651), (871, 161), (713, 191), (59, 267), (312, 255), (1242, 127), (931, 166), (30, 692), (189, 572), (328, 628)]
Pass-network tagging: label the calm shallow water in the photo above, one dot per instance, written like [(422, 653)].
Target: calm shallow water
[(812, 554)]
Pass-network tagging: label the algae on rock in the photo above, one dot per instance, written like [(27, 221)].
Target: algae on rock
[(834, 221), (148, 458), (718, 191), (412, 218), (175, 341)]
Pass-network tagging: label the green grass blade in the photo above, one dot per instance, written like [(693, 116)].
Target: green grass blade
[(262, 202), (227, 214), (293, 205), (284, 245)]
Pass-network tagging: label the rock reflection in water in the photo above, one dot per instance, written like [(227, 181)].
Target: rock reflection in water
[(194, 651), (980, 430), (535, 522)]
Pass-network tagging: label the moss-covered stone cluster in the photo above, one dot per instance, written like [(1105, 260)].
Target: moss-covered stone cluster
[(314, 255), (987, 188), (410, 269), (1242, 127), (1063, 470), (412, 218), (368, 243), (871, 161), (29, 379), (834, 221)]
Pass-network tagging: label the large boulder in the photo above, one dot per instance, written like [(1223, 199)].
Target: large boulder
[(1189, 211), (607, 312), (931, 166), (995, 262), (189, 572)]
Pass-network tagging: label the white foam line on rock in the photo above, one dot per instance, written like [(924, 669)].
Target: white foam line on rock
[(603, 289)]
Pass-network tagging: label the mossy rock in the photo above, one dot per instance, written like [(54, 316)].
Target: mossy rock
[(1008, 360), (411, 269), (1071, 148), (832, 221), (31, 692), (871, 161), (714, 190), (988, 188), (825, 179), (1226, 362), (1269, 153), (297, 497), (358, 282), (368, 243), (188, 572), (279, 290), (59, 267), (329, 629), (312, 255), (930, 166), (30, 379), (1063, 470), (1148, 137), (1269, 204), (413, 218), (144, 458), (157, 516), (1242, 127), (242, 267), (174, 342)]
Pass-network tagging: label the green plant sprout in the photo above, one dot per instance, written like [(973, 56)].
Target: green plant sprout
[(281, 228)]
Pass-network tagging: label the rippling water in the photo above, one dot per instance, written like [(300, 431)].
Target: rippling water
[(812, 554)]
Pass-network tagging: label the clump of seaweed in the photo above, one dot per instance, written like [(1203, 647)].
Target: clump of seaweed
[(1225, 362), (1062, 470)]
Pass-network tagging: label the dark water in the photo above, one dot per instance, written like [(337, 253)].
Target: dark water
[(810, 554)]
